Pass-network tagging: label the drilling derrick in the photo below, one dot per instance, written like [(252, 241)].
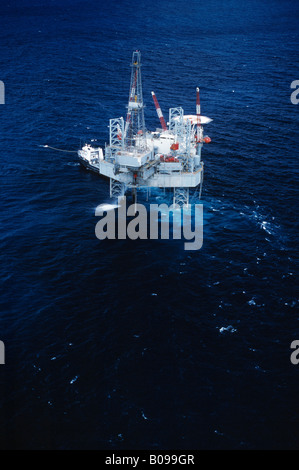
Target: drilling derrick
[(135, 134)]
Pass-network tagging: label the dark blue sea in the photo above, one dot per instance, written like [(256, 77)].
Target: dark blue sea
[(122, 344)]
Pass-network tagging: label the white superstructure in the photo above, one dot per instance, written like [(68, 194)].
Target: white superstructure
[(169, 157)]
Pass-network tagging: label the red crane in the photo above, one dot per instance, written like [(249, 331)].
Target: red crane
[(159, 112)]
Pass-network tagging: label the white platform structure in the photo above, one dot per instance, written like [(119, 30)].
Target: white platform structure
[(169, 157)]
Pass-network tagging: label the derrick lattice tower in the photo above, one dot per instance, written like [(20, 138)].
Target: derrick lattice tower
[(135, 132)]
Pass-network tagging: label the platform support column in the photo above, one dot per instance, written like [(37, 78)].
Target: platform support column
[(117, 188), (181, 197)]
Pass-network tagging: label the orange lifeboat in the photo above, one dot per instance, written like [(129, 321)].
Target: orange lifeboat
[(174, 146)]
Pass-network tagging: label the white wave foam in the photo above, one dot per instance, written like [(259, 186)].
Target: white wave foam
[(229, 328)]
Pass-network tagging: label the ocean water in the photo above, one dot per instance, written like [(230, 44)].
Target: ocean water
[(141, 344)]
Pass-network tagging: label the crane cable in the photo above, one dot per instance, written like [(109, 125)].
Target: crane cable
[(59, 150), (198, 189)]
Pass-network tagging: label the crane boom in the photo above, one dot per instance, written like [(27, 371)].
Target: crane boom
[(159, 112)]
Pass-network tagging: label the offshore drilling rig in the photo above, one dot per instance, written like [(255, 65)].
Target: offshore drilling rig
[(168, 158)]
